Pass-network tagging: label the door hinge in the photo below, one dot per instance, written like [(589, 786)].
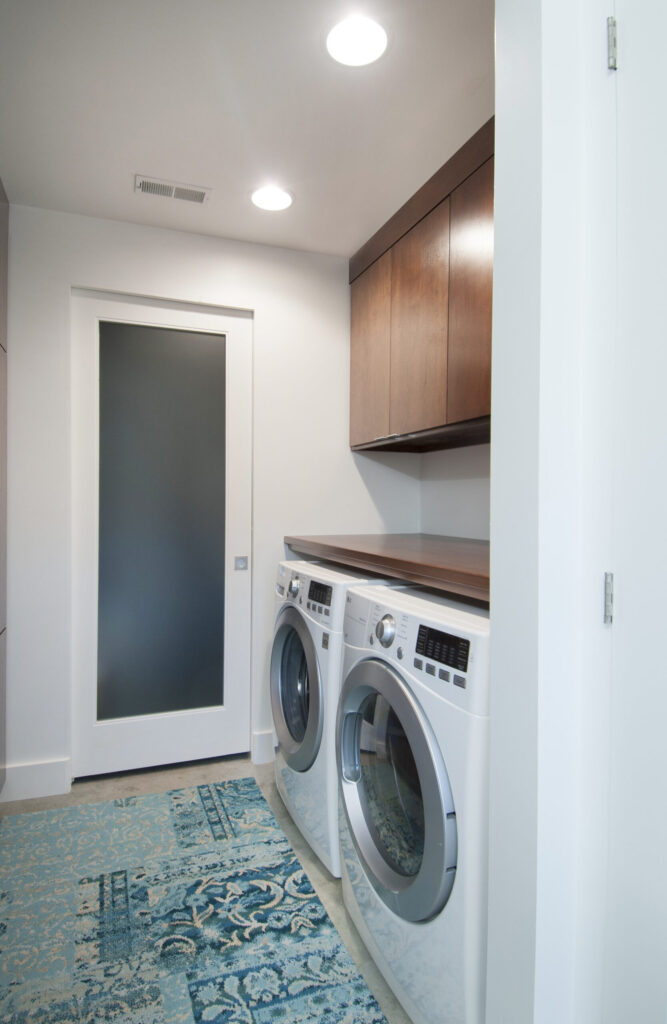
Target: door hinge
[(612, 44), (608, 598)]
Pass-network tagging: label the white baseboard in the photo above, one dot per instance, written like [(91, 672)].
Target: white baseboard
[(41, 778), (261, 749)]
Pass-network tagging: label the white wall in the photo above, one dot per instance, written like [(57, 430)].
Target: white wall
[(514, 508), (635, 980), (455, 492), (305, 479), (554, 283)]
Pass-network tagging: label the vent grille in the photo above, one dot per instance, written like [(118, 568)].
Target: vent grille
[(192, 195), (170, 189)]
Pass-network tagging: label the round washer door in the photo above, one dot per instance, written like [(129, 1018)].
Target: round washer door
[(396, 792), (296, 691)]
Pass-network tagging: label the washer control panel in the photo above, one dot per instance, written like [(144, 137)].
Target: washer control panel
[(444, 648), (385, 627), (443, 645), (385, 630)]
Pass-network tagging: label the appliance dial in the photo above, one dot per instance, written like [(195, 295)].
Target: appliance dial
[(294, 586), (385, 630)]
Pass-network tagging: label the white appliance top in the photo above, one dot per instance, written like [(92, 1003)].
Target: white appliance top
[(318, 591), (420, 602), (324, 573)]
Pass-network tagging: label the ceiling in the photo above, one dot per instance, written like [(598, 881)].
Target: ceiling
[(229, 94)]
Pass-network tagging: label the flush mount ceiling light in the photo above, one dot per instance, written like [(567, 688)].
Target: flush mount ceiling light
[(356, 41), (271, 197)]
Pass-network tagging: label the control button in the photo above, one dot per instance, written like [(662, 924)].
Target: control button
[(327, 612), (319, 608), (444, 675), (399, 654), (460, 681), (309, 606), (385, 630), (294, 586), (325, 641), (430, 670), (418, 663)]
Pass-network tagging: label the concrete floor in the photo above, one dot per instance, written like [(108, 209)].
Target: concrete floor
[(156, 780)]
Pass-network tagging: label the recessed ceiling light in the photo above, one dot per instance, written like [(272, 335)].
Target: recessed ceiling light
[(270, 197), (357, 40)]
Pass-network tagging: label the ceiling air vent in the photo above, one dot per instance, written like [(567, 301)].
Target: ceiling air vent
[(170, 189)]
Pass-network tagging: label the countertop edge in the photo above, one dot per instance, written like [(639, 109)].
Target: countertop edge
[(453, 580)]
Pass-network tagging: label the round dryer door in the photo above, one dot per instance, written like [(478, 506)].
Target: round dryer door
[(396, 792), (296, 691)]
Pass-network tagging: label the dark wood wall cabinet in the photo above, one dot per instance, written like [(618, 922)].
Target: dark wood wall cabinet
[(421, 293)]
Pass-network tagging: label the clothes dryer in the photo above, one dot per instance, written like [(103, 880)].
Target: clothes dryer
[(305, 684), (412, 754)]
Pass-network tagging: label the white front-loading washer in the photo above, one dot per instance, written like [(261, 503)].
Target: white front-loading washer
[(305, 683), (412, 753)]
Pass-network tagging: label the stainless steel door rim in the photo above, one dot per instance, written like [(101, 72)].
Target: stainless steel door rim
[(416, 883), (299, 741)]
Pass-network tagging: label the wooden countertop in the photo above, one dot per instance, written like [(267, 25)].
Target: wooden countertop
[(456, 565)]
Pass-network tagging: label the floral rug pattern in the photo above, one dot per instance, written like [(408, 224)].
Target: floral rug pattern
[(176, 908)]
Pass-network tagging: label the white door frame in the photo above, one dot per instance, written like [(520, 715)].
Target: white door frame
[(121, 744)]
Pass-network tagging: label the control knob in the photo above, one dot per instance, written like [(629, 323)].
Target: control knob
[(294, 586), (385, 630)]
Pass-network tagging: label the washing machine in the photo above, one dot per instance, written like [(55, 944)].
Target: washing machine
[(412, 754), (305, 684)]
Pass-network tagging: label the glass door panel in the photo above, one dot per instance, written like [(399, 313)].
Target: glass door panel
[(161, 582), (296, 691), (295, 686), (391, 793), (395, 792)]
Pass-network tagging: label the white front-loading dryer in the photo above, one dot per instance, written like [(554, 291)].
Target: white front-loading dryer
[(305, 684), (412, 754)]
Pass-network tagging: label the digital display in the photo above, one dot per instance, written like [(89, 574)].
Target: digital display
[(320, 593), (443, 648)]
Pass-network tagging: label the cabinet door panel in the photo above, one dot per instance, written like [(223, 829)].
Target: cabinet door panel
[(419, 295), (470, 295), (369, 352)]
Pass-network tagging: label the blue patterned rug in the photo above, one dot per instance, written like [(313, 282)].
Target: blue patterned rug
[(174, 908)]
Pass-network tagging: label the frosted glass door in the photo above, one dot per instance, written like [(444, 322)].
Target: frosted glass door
[(161, 582), (161, 532)]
